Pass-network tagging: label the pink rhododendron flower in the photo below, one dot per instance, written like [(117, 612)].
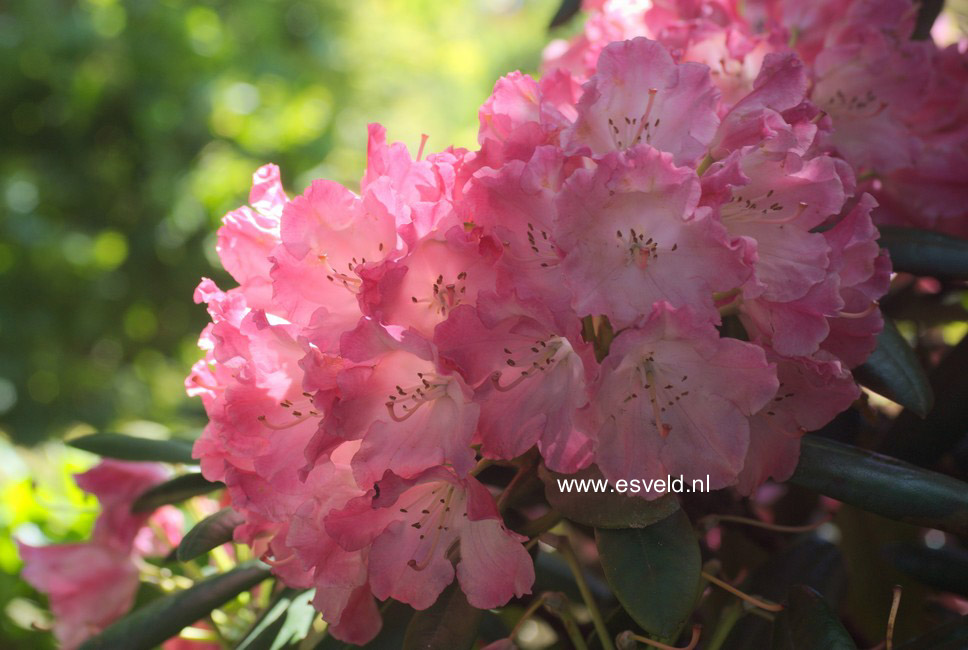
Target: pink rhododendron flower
[(410, 525), (567, 288), (91, 584), (675, 398), (897, 106)]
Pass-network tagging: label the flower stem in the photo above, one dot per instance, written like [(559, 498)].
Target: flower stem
[(557, 604), (752, 600), (568, 553)]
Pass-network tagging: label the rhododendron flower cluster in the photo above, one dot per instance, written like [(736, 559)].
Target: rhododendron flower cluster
[(641, 267), (898, 107), (90, 584)]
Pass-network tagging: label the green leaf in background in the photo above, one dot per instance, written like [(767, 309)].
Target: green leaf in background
[(116, 445), (893, 371), (808, 624), (654, 572), (567, 10), (449, 624), (164, 618), (176, 490), (602, 509), (925, 441), (925, 252), (807, 561), (284, 625), (943, 568), (209, 533), (883, 485)]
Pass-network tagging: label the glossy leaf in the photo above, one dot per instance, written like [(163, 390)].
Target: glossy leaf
[(808, 624), (209, 533), (284, 625), (164, 618), (449, 624), (925, 252), (925, 441), (122, 447), (654, 572), (176, 490), (943, 568), (604, 509), (893, 371), (883, 485)]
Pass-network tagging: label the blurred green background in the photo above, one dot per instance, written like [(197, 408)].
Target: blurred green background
[(127, 129)]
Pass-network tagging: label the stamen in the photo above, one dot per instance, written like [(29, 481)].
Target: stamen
[(859, 314), (423, 141), (280, 427)]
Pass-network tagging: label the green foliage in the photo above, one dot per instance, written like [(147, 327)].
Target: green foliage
[(209, 533), (807, 624), (175, 490), (883, 485), (894, 371), (113, 445), (924, 252), (449, 624), (130, 128), (654, 571), (163, 618)]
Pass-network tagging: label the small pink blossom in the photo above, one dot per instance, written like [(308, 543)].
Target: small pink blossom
[(410, 525)]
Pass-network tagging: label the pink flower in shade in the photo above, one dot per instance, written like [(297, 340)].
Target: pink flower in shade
[(640, 95), (116, 484), (812, 392), (410, 413), (531, 379), (675, 398), (410, 527), (88, 586), (632, 237), (340, 576), (864, 272), (91, 584)]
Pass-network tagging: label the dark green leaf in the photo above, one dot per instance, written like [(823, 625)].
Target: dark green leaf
[(893, 371), (449, 624), (116, 445), (176, 490), (943, 568), (810, 561), (604, 509), (566, 11), (808, 624), (924, 441), (284, 625), (209, 533), (925, 252), (162, 619), (950, 636), (654, 572), (883, 485)]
